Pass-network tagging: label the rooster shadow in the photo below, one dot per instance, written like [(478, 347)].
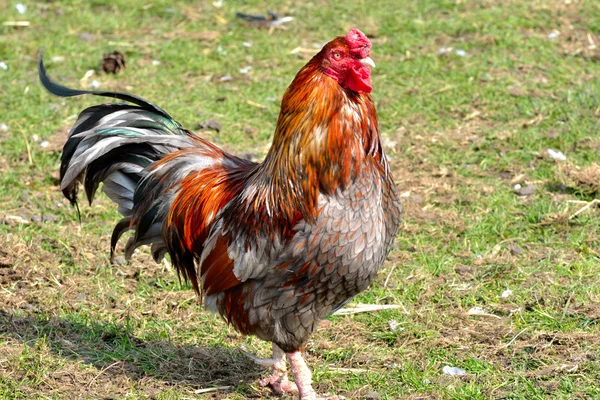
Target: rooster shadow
[(108, 346)]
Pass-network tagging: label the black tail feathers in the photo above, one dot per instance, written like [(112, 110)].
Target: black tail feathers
[(63, 91)]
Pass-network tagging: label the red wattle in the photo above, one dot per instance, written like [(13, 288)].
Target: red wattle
[(359, 79)]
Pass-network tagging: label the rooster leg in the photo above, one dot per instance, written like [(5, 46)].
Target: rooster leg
[(303, 378), (278, 380)]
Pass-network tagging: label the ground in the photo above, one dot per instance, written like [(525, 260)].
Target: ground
[(489, 114)]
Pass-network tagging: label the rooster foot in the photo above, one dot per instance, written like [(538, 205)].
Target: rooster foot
[(278, 380), (279, 384)]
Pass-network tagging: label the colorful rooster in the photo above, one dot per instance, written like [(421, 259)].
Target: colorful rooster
[(273, 247)]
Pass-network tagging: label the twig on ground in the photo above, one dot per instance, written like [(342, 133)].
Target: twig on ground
[(496, 249), (16, 23), (387, 279), (586, 207), (514, 338), (27, 145), (358, 308), (440, 90), (349, 370), (102, 372), (213, 389)]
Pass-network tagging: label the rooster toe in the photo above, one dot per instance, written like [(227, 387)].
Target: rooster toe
[(279, 385)]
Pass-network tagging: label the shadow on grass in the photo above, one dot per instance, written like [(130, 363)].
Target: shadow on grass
[(106, 345), (582, 194)]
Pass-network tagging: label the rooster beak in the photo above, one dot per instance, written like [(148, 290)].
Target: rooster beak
[(367, 61)]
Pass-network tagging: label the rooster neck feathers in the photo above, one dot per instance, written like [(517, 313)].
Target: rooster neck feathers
[(325, 135)]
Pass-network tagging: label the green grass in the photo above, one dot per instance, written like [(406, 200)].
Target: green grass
[(457, 131)]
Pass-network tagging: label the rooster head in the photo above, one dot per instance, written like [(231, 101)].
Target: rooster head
[(346, 59)]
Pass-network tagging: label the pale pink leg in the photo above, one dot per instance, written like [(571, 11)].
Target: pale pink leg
[(302, 375), (278, 380), (303, 378)]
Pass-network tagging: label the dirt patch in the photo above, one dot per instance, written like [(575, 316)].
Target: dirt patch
[(585, 180), (56, 141), (8, 273), (580, 43), (570, 28)]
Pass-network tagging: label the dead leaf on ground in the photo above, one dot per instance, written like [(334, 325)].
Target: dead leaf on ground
[(578, 43), (517, 92), (206, 35), (443, 172), (534, 121)]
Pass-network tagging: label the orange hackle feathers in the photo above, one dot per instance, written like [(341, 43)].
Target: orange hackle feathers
[(322, 136)]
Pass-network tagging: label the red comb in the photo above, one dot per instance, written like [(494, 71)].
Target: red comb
[(359, 43)]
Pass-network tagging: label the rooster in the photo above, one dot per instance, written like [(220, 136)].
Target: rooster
[(273, 247)]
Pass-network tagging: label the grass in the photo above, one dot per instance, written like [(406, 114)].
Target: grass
[(460, 131)]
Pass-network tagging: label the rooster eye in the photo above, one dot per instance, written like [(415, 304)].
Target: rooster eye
[(337, 55)]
